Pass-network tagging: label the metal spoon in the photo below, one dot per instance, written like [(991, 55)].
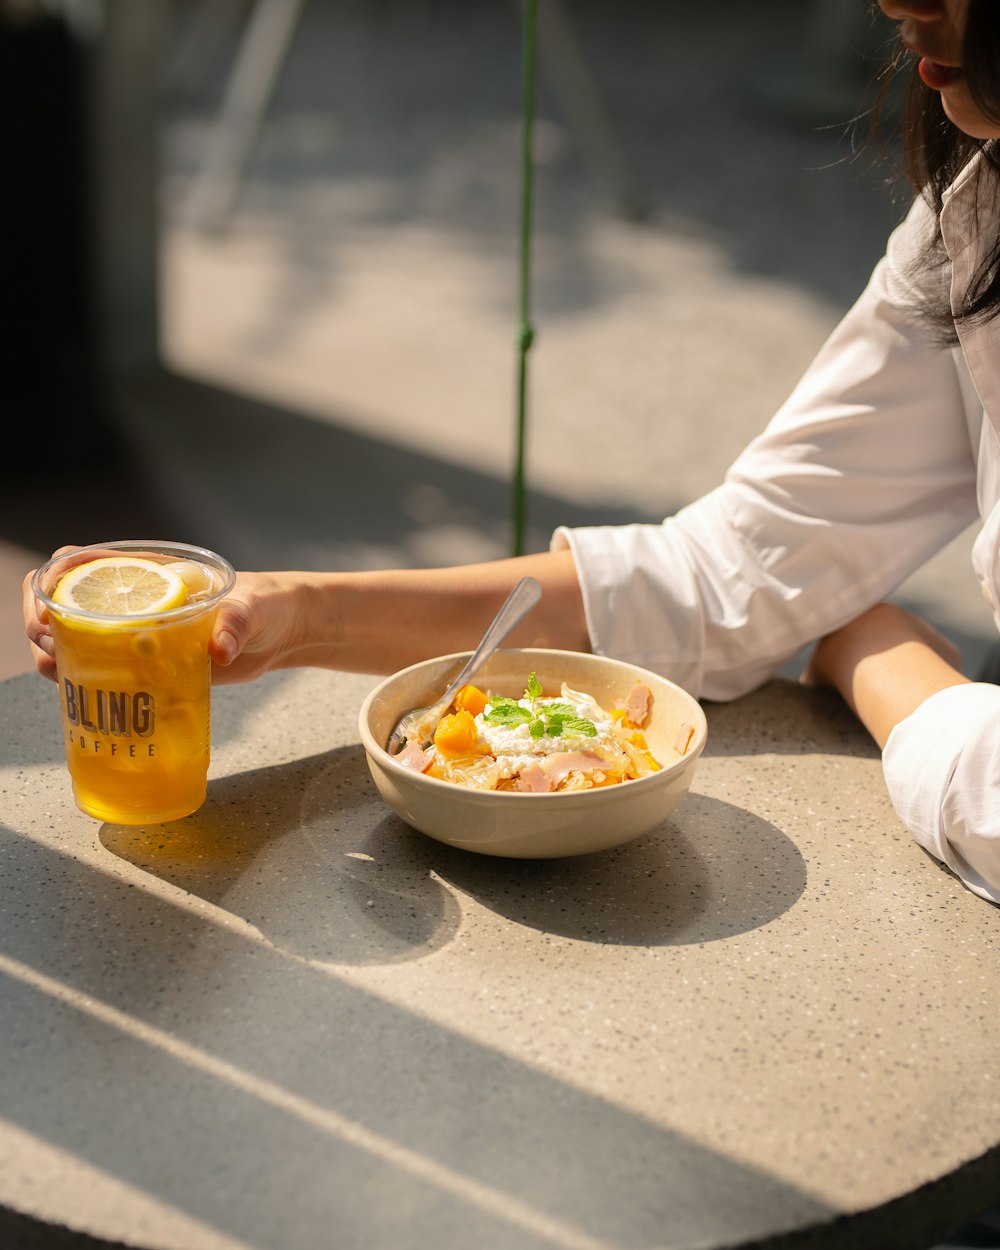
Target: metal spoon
[(419, 724)]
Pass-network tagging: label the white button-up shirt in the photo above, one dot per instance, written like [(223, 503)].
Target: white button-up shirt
[(885, 451)]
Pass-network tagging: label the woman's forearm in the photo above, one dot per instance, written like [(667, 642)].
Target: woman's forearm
[(889, 686), (377, 622), (885, 664)]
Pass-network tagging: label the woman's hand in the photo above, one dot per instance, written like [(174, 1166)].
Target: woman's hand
[(257, 628), (885, 663)]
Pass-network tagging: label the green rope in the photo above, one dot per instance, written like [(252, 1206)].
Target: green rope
[(526, 334)]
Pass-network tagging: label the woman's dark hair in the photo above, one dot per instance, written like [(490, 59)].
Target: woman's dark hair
[(934, 152)]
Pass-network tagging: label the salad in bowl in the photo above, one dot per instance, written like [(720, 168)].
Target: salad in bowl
[(550, 753)]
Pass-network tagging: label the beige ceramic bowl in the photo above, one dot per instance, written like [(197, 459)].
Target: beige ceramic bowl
[(534, 826)]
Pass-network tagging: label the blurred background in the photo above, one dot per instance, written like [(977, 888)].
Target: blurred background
[(261, 268)]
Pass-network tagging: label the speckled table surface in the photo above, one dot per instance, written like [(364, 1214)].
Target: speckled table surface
[(290, 1021)]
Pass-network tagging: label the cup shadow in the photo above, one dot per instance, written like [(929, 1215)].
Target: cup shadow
[(300, 852)]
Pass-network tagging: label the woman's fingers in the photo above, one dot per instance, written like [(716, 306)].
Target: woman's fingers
[(36, 626), (232, 630), (36, 622)]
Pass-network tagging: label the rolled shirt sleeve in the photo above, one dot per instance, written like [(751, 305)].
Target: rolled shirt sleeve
[(942, 770), (864, 473)]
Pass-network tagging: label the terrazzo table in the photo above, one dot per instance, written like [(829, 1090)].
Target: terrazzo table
[(290, 1021)]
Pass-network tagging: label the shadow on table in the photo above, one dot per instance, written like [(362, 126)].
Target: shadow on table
[(280, 848), (262, 1097), (308, 854), (792, 720)]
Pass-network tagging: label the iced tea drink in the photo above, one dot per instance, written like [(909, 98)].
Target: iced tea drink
[(131, 623)]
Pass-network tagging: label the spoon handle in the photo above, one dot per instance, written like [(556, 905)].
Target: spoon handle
[(518, 603), (420, 722)]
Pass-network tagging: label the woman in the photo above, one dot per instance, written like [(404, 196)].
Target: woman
[(875, 462)]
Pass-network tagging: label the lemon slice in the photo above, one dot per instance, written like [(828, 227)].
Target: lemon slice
[(121, 586)]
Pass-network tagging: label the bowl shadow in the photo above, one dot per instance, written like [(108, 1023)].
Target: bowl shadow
[(713, 871)]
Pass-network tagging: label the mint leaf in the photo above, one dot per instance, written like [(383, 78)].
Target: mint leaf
[(498, 703), (555, 720), (505, 711), (559, 709)]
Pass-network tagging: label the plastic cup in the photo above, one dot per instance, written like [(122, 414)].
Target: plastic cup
[(135, 690)]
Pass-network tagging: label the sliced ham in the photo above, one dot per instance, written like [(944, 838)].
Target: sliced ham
[(414, 756), (683, 739), (547, 773), (532, 777), (558, 766), (637, 704)]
